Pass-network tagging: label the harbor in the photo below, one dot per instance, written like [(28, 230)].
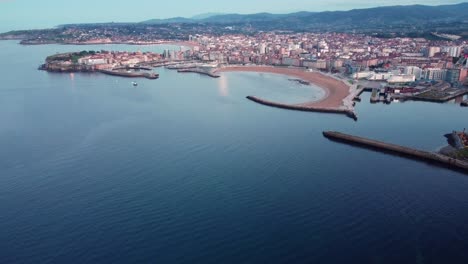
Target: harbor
[(439, 92), (433, 157)]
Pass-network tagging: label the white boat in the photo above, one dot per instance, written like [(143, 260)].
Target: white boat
[(135, 83)]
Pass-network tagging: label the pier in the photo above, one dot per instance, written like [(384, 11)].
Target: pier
[(148, 75), (348, 113), (200, 71), (399, 150)]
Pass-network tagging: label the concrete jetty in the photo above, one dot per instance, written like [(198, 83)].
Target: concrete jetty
[(401, 150), (200, 71), (346, 112), (148, 75), (133, 68)]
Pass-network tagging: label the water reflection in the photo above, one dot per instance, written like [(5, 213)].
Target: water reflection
[(223, 87)]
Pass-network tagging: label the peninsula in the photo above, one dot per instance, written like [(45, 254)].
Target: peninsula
[(124, 64)]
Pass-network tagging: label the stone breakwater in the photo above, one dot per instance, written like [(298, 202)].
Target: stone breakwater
[(209, 73), (148, 75), (304, 108), (401, 150)]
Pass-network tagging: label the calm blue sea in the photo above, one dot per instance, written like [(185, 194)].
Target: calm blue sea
[(184, 169)]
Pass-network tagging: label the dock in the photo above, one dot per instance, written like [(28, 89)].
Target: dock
[(348, 113), (438, 96), (399, 150), (375, 96)]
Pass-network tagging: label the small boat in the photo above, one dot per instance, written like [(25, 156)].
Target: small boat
[(135, 83)]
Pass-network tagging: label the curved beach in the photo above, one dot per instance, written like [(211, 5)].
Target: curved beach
[(336, 91)]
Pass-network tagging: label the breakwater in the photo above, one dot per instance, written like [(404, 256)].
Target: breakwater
[(200, 71), (133, 68), (147, 75), (348, 113), (401, 150)]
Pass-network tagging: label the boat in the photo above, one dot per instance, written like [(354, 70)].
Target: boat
[(135, 83)]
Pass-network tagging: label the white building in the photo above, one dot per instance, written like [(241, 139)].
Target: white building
[(363, 75), (380, 76), (402, 78), (431, 51), (435, 74), (91, 62), (416, 71), (452, 51), (262, 48)]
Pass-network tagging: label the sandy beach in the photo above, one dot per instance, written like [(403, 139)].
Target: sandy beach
[(336, 91)]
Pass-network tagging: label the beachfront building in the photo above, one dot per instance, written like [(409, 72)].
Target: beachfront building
[(401, 78), (434, 74), (413, 70)]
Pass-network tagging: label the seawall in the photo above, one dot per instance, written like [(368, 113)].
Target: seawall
[(439, 100), (131, 74), (195, 70), (401, 150), (348, 113)]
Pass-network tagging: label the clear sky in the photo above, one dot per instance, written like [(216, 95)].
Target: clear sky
[(25, 14)]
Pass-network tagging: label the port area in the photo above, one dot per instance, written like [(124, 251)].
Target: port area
[(438, 92), (452, 161)]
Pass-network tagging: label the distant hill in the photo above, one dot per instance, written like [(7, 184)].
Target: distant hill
[(206, 15), (386, 22), (417, 15)]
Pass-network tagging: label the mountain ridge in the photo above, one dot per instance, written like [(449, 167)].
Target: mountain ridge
[(383, 14)]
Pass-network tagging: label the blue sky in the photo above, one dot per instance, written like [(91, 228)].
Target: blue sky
[(25, 14)]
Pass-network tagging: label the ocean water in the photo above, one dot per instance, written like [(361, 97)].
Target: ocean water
[(184, 169)]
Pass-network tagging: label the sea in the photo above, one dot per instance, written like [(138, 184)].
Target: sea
[(185, 169)]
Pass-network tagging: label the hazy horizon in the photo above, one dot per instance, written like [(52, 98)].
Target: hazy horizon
[(23, 14)]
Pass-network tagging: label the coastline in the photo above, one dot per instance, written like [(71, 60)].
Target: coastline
[(338, 94), (188, 44)]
